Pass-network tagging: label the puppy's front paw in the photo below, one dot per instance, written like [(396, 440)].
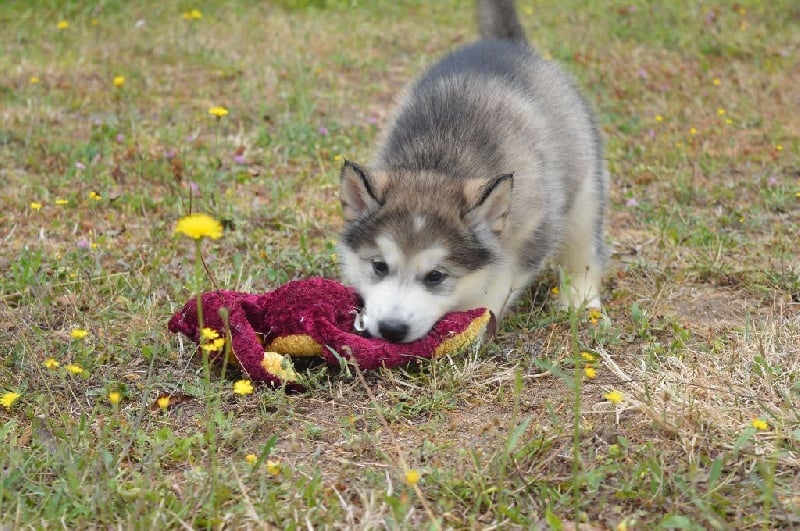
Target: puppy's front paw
[(575, 297)]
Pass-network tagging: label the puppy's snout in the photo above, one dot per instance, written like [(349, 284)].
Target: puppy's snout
[(393, 330)]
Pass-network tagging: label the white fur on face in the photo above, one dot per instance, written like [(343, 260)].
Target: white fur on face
[(402, 295), (411, 303), (419, 224)]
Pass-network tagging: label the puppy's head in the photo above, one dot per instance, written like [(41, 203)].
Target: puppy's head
[(417, 245)]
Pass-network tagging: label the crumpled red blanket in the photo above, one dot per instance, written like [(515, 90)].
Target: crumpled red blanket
[(313, 317)]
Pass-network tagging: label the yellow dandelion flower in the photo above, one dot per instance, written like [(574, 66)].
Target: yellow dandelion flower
[(114, 397), (588, 356), (337, 158), (555, 291), (589, 372), (94, 195), (36, 206), (412, 476), (119, 81), (78, 333), (251, 458), (692, 131), (716, 82), (34, 80), (594, 315), (243, 387), (615, 397), (721, 112), (62, 25), (659, 118), (198, 226), (62, 202), (163, 402), (214, 345), (51, 363), (8, 399), (760, 425), (193, 14), (273, 468), (94, 22), (74, 369), (678, 144), (779, 147), (728, 121), (218, 111), (209, 333)]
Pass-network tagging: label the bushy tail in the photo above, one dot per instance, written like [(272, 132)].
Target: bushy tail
[(497, 19)]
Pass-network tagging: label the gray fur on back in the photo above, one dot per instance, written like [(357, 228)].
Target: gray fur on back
[(494, 107)]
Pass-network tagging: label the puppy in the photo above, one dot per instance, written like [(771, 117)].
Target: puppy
[(491, 166)]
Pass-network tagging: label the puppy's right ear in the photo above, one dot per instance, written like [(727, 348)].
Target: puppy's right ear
[(492, 199), (358, 191)]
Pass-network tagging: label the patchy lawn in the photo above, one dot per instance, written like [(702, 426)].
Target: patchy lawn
[(689, 421)]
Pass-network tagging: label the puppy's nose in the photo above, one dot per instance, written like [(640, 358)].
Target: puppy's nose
[(393, 330)]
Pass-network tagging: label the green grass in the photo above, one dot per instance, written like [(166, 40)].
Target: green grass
[(701, 332)]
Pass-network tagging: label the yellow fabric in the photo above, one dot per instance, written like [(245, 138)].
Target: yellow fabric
[(303, 345), (459, 341), (296, 345), (278, 365)]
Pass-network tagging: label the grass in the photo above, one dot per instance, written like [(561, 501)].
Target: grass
[(701, 333)]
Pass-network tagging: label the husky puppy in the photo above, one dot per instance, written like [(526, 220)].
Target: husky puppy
[(492, 165)]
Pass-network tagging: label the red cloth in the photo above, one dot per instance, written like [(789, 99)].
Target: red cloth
[(319, 308)]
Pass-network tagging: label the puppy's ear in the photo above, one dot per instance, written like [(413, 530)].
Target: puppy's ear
[(490, 202), (358, 191)]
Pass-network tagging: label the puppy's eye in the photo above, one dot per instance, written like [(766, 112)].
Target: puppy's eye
[(380, 268), (434, 278)]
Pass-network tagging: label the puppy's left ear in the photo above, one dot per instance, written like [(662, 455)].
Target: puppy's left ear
[(492, 201), (358, 191)]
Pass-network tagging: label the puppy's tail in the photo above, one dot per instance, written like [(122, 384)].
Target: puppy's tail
[(497, 19)]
